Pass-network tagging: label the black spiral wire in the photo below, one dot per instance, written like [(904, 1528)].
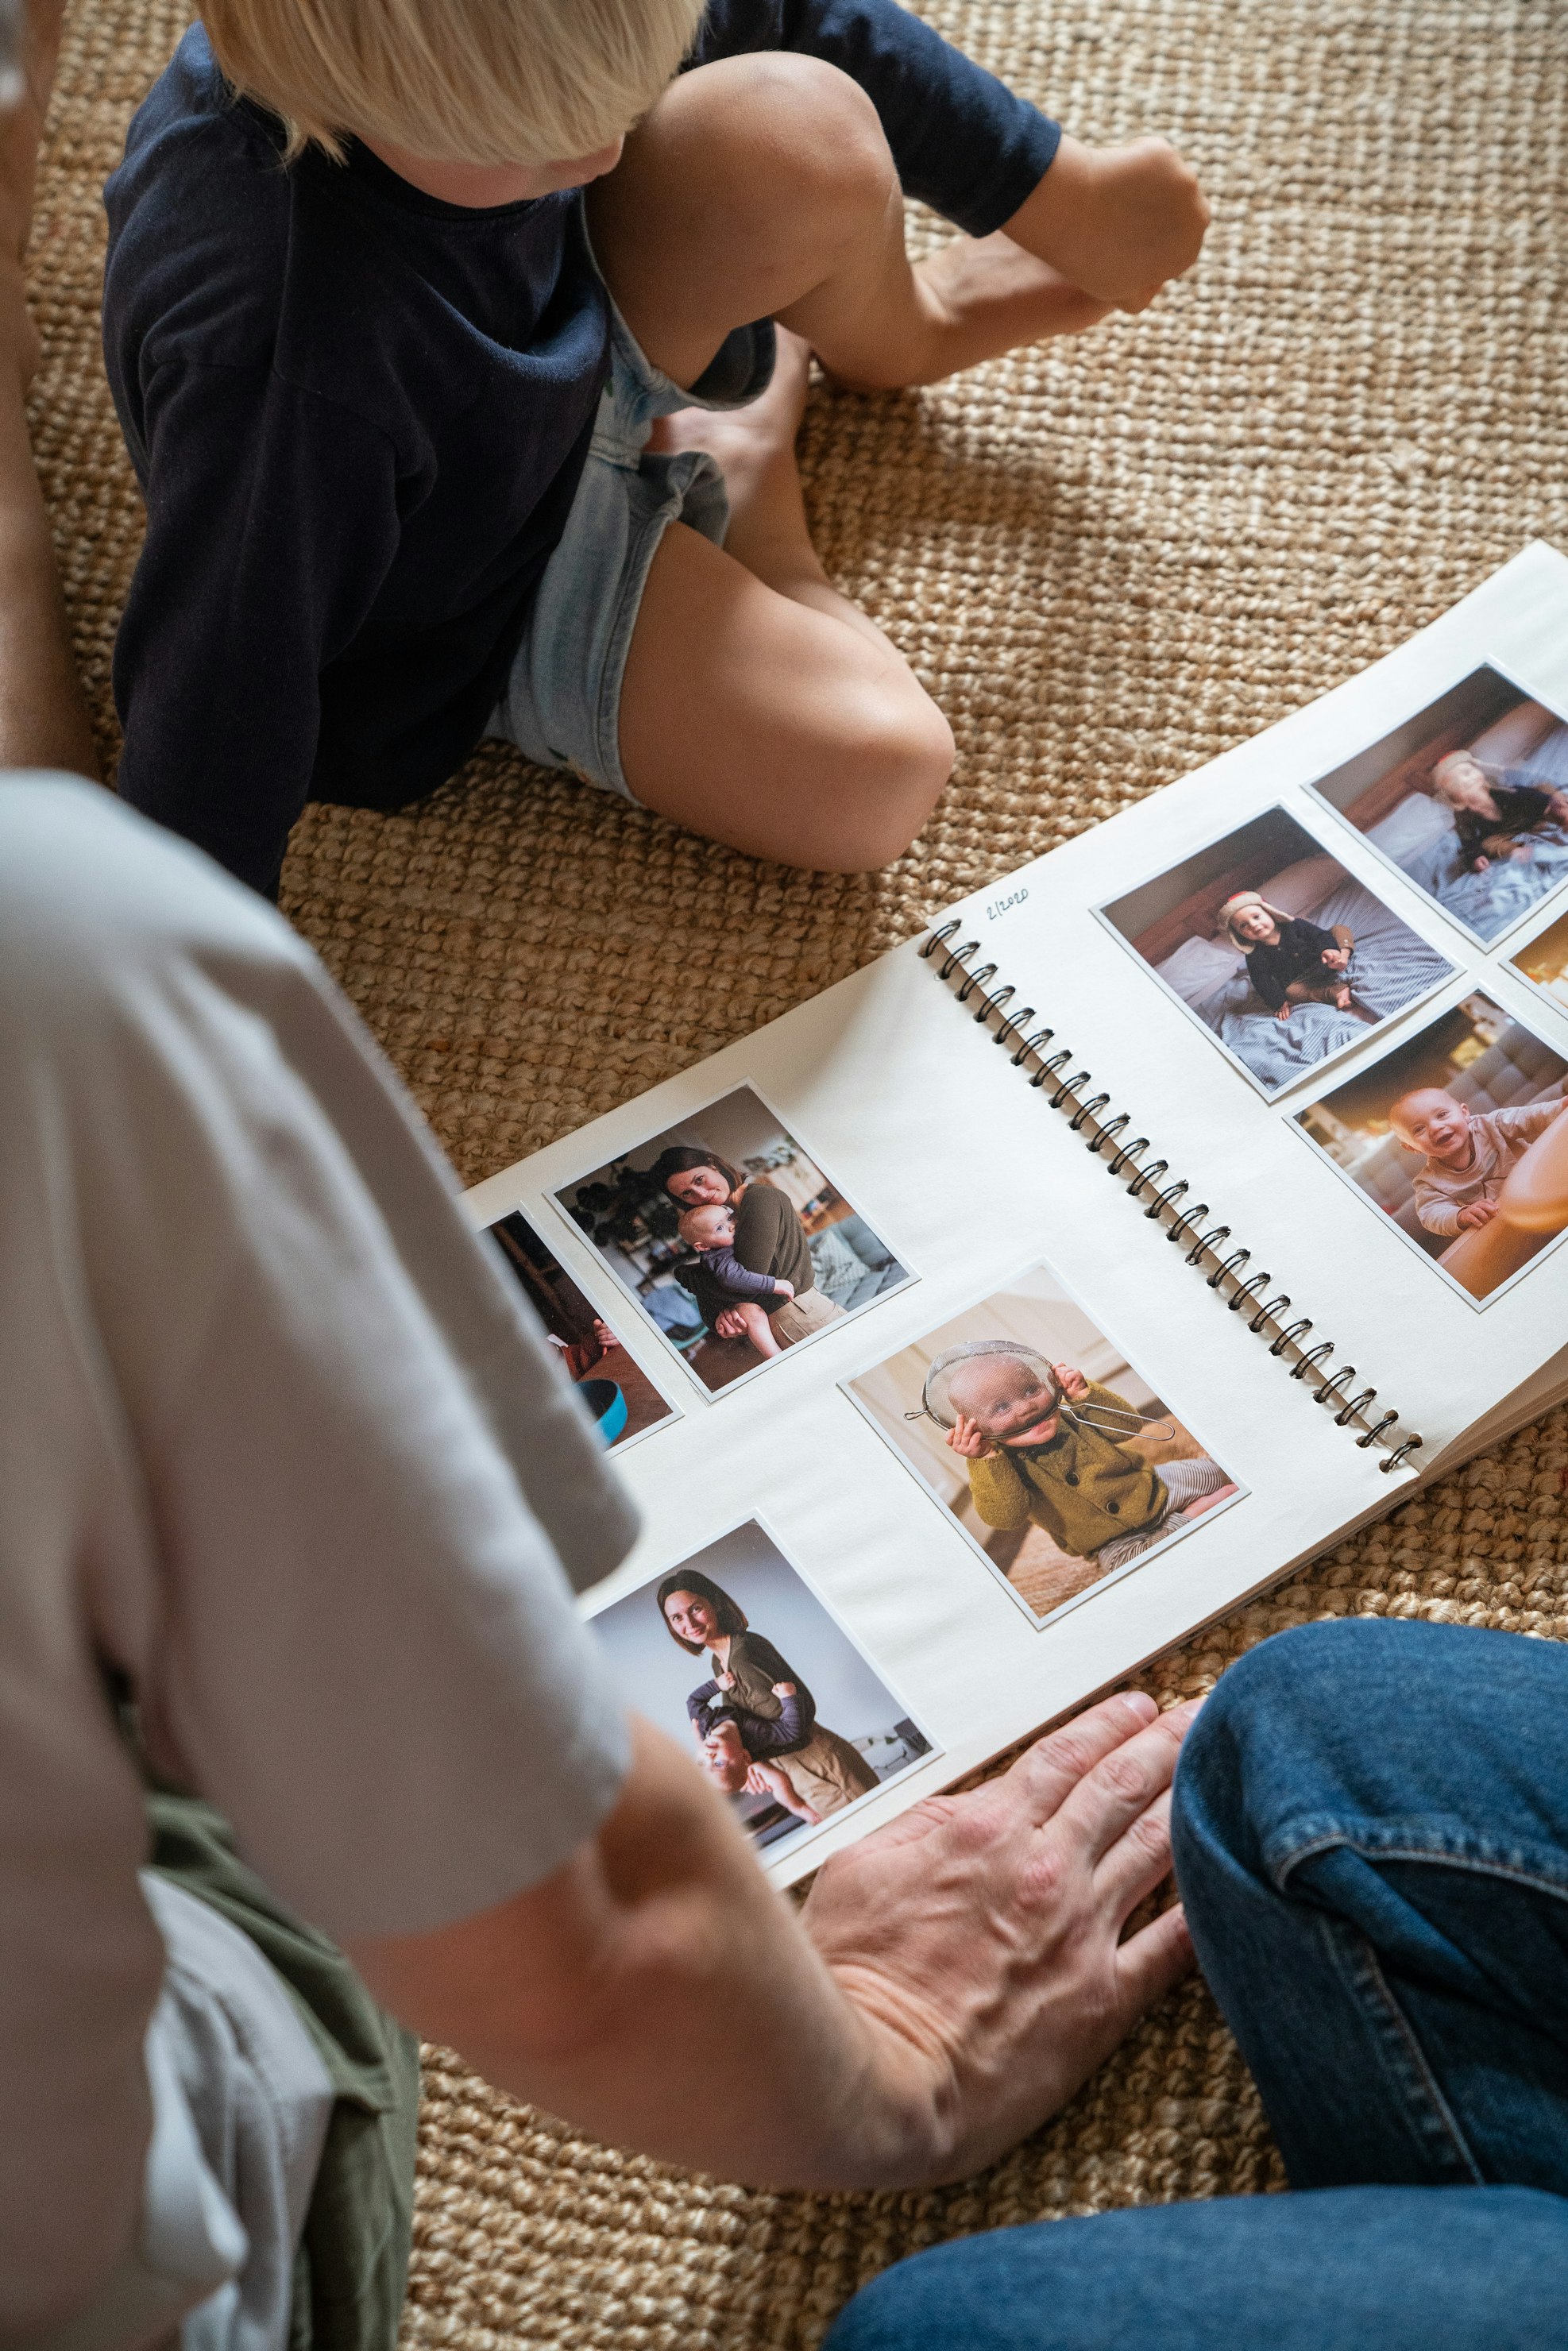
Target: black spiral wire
[(1226, 1275)]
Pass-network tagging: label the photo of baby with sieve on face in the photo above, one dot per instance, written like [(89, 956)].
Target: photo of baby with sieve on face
[(1056, 1458)]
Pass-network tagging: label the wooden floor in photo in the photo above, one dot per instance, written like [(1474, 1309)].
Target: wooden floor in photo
[(1109, 561)]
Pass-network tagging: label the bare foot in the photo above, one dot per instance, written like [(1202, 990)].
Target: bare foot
[(984, 296), (753, 446)]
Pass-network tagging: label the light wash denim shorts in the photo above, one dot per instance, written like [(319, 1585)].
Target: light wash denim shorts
[(561, 707)]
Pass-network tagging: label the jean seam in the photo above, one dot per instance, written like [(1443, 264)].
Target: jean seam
[(1435, 1853), (1356, 1963)]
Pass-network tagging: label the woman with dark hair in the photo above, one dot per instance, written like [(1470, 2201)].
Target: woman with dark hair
[(759, 1692), (768, 1239)]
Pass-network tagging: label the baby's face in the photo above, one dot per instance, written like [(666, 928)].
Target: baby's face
[(1461, 781), (1432, 1122), (1253, 923), (1009, 1401), (709, 1228)]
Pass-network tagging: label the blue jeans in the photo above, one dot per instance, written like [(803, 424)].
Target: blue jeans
[(1371, 1833)]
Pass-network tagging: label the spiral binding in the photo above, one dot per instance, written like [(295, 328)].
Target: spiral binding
[(1226, 1275)]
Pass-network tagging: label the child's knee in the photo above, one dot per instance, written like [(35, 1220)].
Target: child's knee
[(879, 777), (788, 138)]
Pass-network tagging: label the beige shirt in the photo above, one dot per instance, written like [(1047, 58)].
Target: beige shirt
[(277, 1444), (1499, 1138)]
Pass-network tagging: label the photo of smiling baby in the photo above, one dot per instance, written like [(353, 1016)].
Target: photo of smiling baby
[(1458, 1138), (1056, 1458), (734, 1656)]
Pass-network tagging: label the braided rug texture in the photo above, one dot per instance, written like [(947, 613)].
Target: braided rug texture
[(1110, 560)]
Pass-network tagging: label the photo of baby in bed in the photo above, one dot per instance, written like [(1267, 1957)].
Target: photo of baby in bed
[(1458, 1136), (1469, 799), (1284, 958), (733, 1656), (1054, 1456)]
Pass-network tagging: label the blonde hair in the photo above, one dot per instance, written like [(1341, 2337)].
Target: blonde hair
[(454, 81), (691, 1223)]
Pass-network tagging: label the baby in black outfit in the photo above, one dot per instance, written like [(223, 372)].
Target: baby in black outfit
[(1290, 961)]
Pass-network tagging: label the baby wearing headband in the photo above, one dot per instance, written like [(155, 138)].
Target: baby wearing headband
[(1290, 961), (1034, 1459)]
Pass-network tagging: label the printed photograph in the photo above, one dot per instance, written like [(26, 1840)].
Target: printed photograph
[(1458, 1137), (1543, 964), (1284, 958), (733, 1654), (1470, 801), (731, 1239), (1057, 1459), (619, 1394)]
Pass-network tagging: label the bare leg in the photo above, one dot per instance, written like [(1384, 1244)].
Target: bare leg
[(762, 187), (757, 1330), (43, 718)]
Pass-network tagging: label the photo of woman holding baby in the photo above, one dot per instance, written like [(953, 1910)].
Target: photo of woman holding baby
[(732, 1238), (755, 1720), (753, 1275)]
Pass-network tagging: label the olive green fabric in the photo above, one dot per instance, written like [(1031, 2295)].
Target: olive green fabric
[(1083, 1488), (352, 2265)]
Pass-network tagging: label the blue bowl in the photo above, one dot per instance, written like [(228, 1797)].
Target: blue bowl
[(608, 1406)]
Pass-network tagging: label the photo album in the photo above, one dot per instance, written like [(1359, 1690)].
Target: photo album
[(1162, 1213)]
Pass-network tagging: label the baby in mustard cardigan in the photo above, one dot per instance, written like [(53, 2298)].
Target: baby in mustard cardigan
[(1029, 1461)]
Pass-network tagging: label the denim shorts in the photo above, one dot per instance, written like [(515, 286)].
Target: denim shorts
[(562, 705)]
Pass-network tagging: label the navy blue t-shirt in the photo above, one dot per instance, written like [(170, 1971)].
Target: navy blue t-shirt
[(359, 414)]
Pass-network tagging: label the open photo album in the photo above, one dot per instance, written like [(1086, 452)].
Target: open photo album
[(1157, 1217)]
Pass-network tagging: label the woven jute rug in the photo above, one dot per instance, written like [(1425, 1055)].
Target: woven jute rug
[(1109, 561)]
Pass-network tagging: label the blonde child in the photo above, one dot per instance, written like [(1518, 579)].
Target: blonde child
[(437, 445)]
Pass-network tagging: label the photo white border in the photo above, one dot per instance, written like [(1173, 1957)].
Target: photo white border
[(768, 1856), (1474, 986), (1272, 1094), (1509, 965), (1321, 799), (732, 1387), (1038, 1262), (673, 1412)]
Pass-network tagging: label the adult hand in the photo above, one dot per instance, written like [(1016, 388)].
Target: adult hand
[(729, 1324), (967, 1437), (981, 1936), (1120, 221), (1071, 1381), (1479, 1212)]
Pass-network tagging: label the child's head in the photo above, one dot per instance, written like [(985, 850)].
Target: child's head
[(1248, 920), (709, 1227), (1431, 1121), (723, 1759), (1007, 1399), (1460, 781), (487, 82)]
